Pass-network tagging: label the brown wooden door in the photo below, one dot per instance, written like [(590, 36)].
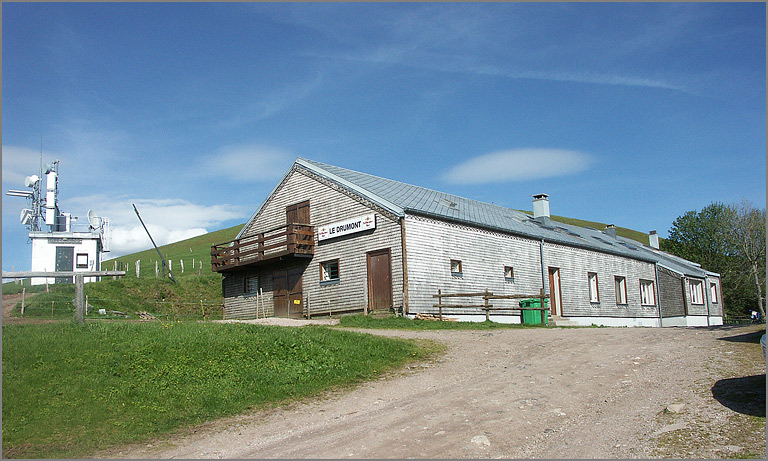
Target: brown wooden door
[(297, 213), (280, 293), (379, 280), (295, 298), (555, 291)]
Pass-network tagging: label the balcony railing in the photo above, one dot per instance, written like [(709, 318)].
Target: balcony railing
[(288, 240)]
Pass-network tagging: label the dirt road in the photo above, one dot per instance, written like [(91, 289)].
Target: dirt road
[(555, 393)]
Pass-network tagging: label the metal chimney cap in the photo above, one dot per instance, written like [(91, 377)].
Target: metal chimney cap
[(540, 196)]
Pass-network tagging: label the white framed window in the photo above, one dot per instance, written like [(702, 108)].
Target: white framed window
[(251, 285), (456, 267), (621, 289), (713, 292), (82, 260), (329, 271), (594, 295), (647, 293), (509, 273), (697, 291)]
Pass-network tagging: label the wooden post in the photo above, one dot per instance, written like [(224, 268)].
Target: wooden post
[(23, 294), (203, 309), (79, 299), (487, 310), (181, 261), (86, 304), (261, 245), (440, 304), (156, 269), (541, 304), (52, 308)]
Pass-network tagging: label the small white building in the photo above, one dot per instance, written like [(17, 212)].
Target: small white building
[(328, 239), (66, 251)]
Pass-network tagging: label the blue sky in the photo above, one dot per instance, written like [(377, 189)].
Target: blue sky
[(629, 114)]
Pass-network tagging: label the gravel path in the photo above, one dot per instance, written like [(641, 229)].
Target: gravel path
[(534, 393)]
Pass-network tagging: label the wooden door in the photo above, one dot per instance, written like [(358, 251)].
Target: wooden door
[(287, 295), (555, 291), (295, 298), (297, 213), (64, 262), (280, 293), (379, 280)]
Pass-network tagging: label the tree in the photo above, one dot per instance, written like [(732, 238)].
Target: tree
[(749, 235), (729, 240)]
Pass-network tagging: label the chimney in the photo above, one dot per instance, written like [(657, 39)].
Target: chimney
[(653, 238), (540, 206), (610, 230)]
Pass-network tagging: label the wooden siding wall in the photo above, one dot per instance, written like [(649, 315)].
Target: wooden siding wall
[(671, 288), (431, 244), (575, 263), (715, 309), (328, 204)]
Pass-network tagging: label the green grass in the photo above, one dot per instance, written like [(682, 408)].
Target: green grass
[(405, 323), (621, 231), (161, 297), (69, 390)]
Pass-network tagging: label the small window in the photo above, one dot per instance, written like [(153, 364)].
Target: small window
[(252, 285), (621, 290), (82, 260), (713, 292), (697, 291), (509, 273), (329, 271), (594, 295), (455, 267), (647, 293)]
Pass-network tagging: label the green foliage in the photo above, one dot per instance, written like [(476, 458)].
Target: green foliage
[(69, 389), (729, 240), (405, 323)]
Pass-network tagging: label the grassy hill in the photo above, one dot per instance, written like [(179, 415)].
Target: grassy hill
[(196, 295), (622, 231)]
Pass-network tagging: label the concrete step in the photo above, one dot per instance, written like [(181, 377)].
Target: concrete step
[(557, 321)]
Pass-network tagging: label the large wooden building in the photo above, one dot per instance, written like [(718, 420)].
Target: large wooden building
[(332, 240)]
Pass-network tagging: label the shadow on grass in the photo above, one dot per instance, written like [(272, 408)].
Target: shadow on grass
[(745, 395)]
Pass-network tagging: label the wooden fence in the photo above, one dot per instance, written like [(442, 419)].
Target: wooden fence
[(487, 296)]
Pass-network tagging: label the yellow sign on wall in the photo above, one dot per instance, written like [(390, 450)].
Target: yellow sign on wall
[(296, 301)]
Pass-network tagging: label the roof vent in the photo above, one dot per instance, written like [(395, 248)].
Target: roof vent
[(610, 230), (653, 239), (540, 206)]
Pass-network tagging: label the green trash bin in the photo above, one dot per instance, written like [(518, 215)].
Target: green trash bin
[(533, 317)]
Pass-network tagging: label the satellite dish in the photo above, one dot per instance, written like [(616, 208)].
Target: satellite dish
[(94, 220), (30, 181), (26, 216)]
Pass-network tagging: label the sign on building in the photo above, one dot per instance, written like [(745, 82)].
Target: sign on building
[(346, 227)]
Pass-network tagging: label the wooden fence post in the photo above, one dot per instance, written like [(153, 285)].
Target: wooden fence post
[(23, 294), (487, 310), (79, 299), (541, 304), (440, 303)]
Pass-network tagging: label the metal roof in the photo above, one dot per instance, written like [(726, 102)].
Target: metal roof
[(400, 199)]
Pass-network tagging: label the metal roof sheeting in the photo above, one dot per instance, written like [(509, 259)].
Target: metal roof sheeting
[(401, 198)]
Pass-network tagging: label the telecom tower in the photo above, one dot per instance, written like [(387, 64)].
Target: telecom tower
[(59, 247)]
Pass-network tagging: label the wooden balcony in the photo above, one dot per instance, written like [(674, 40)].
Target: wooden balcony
[(293, 240)]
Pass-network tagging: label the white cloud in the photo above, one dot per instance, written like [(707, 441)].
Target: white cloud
[(168, 220), (517, 165), (249, 163), (18, 163)]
